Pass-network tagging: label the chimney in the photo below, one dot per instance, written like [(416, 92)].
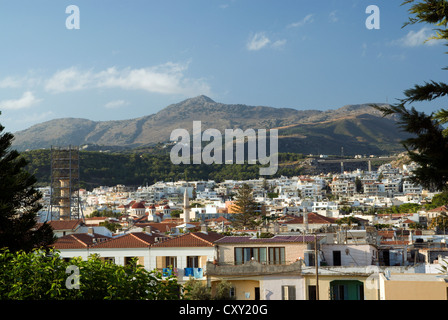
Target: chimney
[(411, 234), (186, 207), (148, 230), (90, 231), (204, 228), (305, 221)]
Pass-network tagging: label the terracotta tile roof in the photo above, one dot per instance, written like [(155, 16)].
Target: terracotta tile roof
[(196, 239), (386, 234), (65, 224), (130, 240), (161, 227), (275, 239), (394, 242), (439, 209), (78, 241), (313, 218)]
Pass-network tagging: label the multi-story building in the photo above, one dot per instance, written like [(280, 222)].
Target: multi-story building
[(343, 188)]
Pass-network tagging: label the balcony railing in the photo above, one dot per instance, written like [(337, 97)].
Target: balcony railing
[(253, 268), (197, 273)]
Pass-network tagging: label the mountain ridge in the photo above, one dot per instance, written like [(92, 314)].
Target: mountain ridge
[(312, 125)]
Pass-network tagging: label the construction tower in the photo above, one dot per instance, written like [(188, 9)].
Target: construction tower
[(65, 201)]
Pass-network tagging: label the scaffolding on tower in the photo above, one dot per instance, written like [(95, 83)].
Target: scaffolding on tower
[(65, 202)]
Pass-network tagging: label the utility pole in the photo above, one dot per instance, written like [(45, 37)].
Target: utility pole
[(316, 262)]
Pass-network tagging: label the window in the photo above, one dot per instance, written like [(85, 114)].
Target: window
[(288, 292), (232, 292), (171, 262), (128, 260), (193, 262), (272, 255), (276, 255), (242, 255)]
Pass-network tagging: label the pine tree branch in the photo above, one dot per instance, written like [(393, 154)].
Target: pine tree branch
[(426, 92)]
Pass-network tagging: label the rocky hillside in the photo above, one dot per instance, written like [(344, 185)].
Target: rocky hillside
[(357, 128)]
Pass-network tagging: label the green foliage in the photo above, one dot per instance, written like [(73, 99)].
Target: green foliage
[(440, 222), (246, 215), (438, 200), (347, 220), (430, 11), (380, 226), (19, 202), (223, 290), (41, 275), (409, 208), (112, 226), (266, 235), (176, 213), (403, 208), (197, 290), (428, 145), (105, 213), (137, 169), (272, 195)]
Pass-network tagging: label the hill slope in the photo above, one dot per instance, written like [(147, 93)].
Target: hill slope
[(357, 128)]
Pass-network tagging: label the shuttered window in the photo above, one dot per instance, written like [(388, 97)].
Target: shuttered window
[(288, 292)]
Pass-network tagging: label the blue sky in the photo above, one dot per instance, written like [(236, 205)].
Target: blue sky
[(133, 58)]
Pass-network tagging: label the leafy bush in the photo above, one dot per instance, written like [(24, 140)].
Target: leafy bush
[(43, 275)]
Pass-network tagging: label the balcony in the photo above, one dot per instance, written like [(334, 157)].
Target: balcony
[(184, 273), (253, 268)]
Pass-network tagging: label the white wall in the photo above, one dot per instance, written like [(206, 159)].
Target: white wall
[(271, 287), (357, 255)]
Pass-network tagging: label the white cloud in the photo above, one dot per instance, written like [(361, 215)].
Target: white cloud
[(416, 38), (308, 19), (257, 41), (364, 49), (279, 43), (168, 78), (70, 79), (10, 82), (116, 104), (19, 82), (27, 100), (333, 17)]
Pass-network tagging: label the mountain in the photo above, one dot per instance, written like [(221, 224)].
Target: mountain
[(359, 129)]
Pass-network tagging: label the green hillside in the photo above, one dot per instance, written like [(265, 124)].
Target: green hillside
[(137, 169)]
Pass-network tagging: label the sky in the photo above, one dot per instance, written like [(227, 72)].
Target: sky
[(115, 60)]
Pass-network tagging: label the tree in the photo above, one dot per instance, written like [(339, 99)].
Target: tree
[(246, 208), (438, 200), (428, 144), (196, 290), (358, 184), (440, 222), (223, 290), (39, 275), (19, 202)]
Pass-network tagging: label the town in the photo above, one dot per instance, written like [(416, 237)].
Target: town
[(353, 235)]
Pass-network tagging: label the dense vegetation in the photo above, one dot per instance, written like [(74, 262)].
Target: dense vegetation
[(44, 275), (136, 169), (19, 202)]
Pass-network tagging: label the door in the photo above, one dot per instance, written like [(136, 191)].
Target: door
[(257, 293), (336, 258)]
